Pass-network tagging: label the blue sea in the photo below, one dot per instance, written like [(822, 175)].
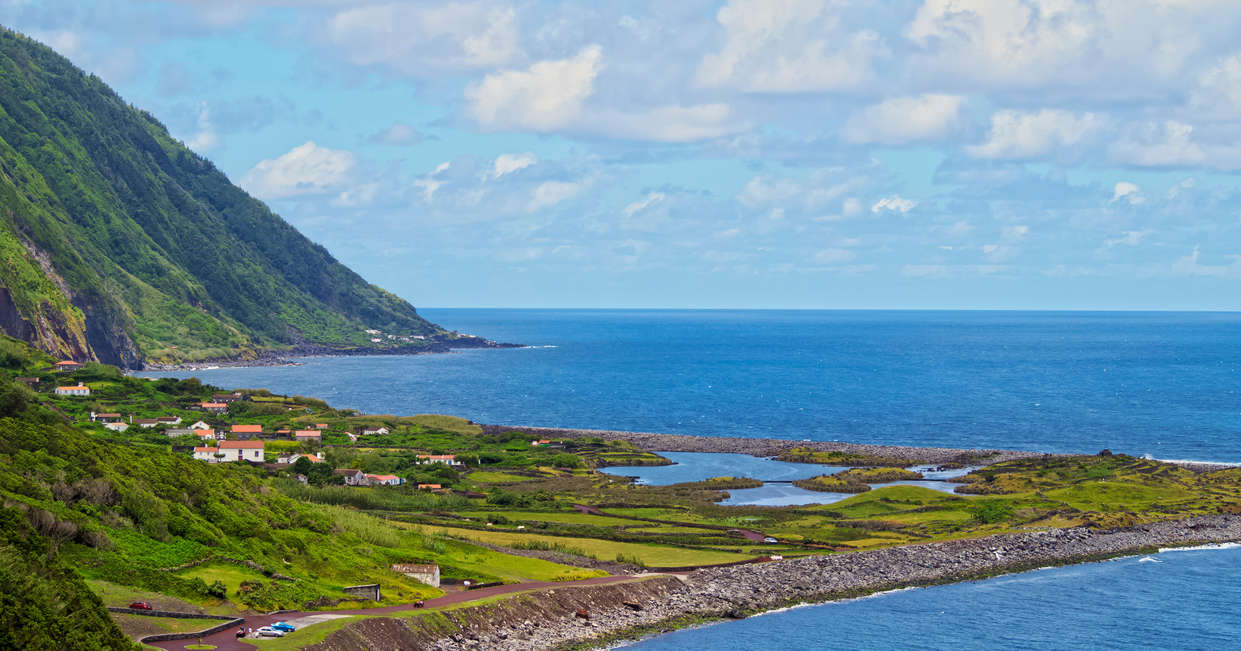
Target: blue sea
[(1163, 384)]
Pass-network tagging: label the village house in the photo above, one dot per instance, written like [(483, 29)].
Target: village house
[(203, 453), (367, 431), (200, 425), (68, 365), (283, 432), (385, 480), (28, 381), (105, 417), (308, 435), (144, 422), (446, 459), (209, 435), (320, 425), (169, 420), (242, 451), (426, 573), (247, 431), (79, 391), (228, 397), (429, 487), (352, 477), (116, 426), (177, 433), (213, 407)]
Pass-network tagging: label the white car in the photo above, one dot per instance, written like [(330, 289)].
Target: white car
[(268, 631)]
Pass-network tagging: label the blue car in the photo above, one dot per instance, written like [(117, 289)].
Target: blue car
[(284, 627)]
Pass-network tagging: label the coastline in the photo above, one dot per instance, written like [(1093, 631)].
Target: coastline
[(714, 594), (771, 447), (290, 356)]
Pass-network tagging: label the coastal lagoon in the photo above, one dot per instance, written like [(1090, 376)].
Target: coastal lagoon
[(697, 466), (1167, 384)]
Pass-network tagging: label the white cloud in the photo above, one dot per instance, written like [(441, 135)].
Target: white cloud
[(551, 193), (1218, 93), (1015, 233), (1173, 144), (546, 96), (902, 120), (206, 138), (421, 40), (894, 203), (1018, 134), (788, 46), (999, 252), (399, 134), (644, 203), (305, 169), (509, 163), (355, 197), (1127, 191), (673, 123), (1130, 238), (1190, 266)]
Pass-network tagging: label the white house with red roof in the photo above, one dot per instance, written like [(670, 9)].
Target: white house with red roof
[(78, 391), (384, 480), (242, 451)]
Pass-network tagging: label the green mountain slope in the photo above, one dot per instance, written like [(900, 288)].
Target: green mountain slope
[(122, 245)]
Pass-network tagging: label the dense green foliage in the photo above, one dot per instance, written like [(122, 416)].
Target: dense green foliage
[(161, 255), (43, 603)]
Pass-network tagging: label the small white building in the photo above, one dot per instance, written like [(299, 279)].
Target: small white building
[(116, 426), (227, 451), (384, 480), (78, 391), (200, 425), (367, 431), (428, 573)]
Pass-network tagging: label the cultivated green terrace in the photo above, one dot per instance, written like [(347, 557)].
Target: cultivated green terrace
[(120, 244)]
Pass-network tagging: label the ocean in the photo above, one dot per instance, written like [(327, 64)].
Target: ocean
[(1163, 384)]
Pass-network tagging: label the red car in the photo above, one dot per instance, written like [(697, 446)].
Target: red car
[(140, 605)]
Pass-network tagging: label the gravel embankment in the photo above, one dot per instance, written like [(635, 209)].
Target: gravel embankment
[(740, 590)]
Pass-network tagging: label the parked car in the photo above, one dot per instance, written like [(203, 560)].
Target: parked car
[(267, 631), (284, 626), (140, 605)]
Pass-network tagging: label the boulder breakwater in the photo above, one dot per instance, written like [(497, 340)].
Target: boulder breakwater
[(603, 615)]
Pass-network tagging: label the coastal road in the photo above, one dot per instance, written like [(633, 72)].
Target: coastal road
[(227, 640)]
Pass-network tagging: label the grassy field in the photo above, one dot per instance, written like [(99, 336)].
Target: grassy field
[(650, 555), (136, 626), (493, 477), (567, 517)]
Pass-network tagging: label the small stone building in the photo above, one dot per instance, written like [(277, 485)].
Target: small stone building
[(428, 573)]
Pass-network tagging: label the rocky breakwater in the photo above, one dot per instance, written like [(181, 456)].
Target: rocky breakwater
[(733, 592), (767, 447)]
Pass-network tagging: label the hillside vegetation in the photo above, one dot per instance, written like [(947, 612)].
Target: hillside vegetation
[(122, 245)]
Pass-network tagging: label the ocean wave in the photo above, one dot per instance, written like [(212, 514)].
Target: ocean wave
[(1198, 548), (1234, 464)]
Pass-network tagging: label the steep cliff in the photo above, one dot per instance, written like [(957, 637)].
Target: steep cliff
[(122, 245)]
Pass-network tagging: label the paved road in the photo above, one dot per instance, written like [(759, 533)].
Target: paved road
[(227, 640)]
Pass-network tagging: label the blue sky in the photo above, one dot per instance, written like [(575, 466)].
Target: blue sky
[(748, 153)]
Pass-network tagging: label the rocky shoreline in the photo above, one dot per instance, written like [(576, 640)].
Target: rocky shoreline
[(585, 618), (289, 357)]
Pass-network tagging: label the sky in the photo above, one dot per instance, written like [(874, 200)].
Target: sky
[(1029, 154)]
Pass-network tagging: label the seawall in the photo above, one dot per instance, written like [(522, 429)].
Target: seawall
[(656, 605)]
